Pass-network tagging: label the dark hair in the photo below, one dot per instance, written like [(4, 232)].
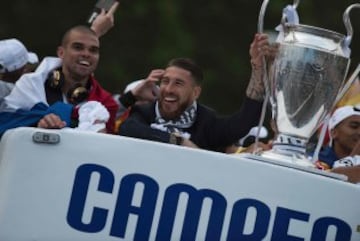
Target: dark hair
[(189, 65), (77, 28)]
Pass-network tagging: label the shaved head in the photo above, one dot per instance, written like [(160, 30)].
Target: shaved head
[(78, 28)]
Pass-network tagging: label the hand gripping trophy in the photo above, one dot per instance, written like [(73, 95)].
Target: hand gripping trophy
[(303, 81)]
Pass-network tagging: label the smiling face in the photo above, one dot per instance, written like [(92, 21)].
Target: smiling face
[(178, 90), (346, 134), (80, 54)]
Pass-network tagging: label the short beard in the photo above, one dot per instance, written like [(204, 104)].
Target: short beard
[(173, 115)]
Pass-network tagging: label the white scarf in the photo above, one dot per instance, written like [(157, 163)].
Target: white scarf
[(185, 120)]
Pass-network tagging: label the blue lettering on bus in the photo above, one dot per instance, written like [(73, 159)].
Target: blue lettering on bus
[(195, 198), (124, 208), (192, 213), (78, 198), (321, 226), (238, 220), (282, 221)]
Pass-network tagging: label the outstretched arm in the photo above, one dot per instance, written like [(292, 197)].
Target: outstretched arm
[(104, 21)]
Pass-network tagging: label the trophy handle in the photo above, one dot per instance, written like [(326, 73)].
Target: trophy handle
[(289, 13), (265, 79), (262, 15), (348, 26)]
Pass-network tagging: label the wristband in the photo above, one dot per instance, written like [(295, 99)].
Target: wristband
[(127, 99)]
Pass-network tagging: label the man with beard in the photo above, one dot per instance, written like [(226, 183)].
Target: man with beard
[(177, 118)]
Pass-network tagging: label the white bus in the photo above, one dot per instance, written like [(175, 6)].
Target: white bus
[(58, 185)]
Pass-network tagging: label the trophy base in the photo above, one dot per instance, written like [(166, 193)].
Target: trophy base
[(297, 163), (289, 149), (288, 157)]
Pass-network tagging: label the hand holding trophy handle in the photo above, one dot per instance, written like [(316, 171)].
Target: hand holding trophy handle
[(289, 15)]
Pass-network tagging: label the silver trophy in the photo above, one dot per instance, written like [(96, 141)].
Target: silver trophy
[(303, 81)]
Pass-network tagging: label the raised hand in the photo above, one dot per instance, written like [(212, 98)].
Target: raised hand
[(259, 48), (105, 20), (147, 89)]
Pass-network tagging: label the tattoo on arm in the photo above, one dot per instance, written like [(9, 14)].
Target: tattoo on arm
[(256, 89)]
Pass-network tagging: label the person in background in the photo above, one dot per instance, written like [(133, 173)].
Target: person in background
[(343, 149), (14, 58), (344, 128), (177, 117)]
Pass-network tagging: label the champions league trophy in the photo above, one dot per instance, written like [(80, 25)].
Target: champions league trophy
[(303, 81)]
